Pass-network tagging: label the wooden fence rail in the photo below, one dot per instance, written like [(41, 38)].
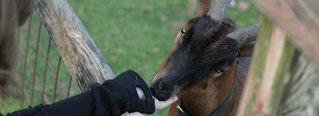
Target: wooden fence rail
[(77, 49)]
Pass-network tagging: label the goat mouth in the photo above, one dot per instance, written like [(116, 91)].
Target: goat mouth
[(161, 95)]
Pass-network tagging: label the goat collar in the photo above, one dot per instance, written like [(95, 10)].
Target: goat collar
[(182, 111)]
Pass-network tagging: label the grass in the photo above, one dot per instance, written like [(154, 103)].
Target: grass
[(131, 34)]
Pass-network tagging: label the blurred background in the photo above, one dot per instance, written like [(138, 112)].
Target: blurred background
[(131, 34)]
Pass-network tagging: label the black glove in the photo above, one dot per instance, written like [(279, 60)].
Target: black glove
[(112, 98), (130, 80)]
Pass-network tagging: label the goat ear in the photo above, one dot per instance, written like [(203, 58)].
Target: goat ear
[(246, 39), (247, 50), (203, 7)]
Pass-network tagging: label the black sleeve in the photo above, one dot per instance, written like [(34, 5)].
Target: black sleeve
[(112, 98)]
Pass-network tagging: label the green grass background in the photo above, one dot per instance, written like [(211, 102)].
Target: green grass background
[(131, 34)]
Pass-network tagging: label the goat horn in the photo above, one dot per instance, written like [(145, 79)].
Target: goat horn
[(245, 35), (218, 10)]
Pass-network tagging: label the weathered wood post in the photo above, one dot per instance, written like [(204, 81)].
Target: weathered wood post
[(283, 76), (78, 51)]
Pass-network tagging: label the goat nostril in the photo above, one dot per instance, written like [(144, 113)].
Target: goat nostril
[(163, 87)]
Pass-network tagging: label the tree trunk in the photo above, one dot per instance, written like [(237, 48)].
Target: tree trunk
[(79, 53)]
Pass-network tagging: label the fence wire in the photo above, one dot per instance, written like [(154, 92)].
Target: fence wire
[(44, 77)]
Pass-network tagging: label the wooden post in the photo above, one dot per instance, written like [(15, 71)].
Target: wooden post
[(79, 53)]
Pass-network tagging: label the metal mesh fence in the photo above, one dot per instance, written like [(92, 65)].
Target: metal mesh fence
[(44, 77)]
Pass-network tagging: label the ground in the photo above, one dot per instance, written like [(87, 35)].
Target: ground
[(134, 34)]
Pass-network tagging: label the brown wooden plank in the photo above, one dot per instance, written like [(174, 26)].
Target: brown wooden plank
[(277, 42), (256, 69)]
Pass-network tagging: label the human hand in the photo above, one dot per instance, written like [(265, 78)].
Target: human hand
[(131, 81), (132, 114), (162, 104), (158, 104)]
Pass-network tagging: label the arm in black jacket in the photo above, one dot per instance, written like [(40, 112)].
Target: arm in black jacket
[(112, 98)]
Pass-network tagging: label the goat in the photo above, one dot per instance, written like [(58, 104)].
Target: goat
[(13, 13), (206, 67)]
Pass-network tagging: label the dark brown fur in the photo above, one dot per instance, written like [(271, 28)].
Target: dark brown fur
[(192, 67), (199, 101), (13, 13), (199, 53), (202, 94)]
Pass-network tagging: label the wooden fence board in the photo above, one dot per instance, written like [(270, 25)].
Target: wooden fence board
[(79, 53), (299, 19)]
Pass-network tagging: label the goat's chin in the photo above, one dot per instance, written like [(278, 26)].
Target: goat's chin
[(160, 96), (163, 96)]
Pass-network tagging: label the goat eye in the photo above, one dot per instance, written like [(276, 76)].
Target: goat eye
[(183, 32), (220, 71)]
